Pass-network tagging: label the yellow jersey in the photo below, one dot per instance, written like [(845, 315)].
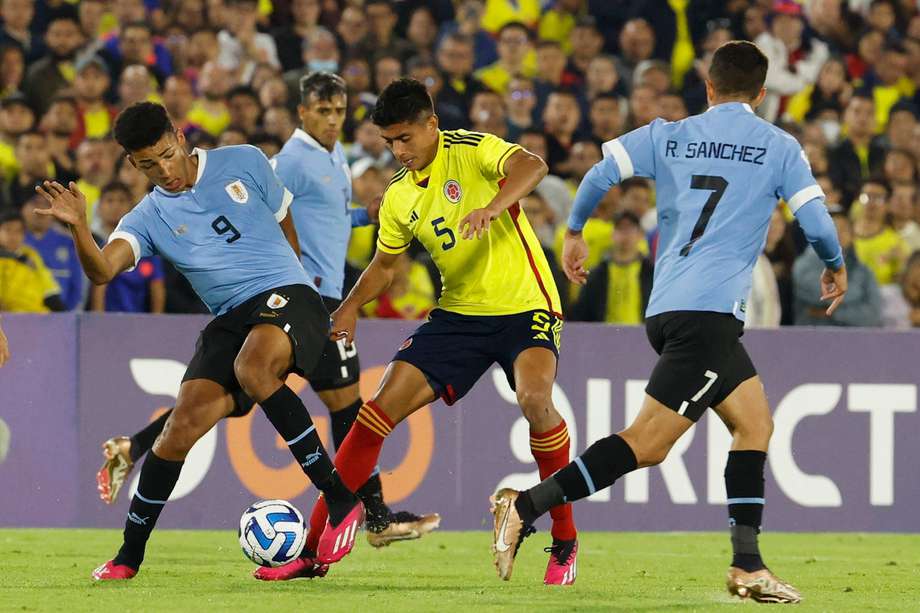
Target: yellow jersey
[(504, 272), (883, 253), (25, 282)]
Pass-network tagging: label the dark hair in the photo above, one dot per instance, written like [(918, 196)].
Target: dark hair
[(243, 90), (532, 132), (403, 100), (265, 137), (877, 180), (323, 85), (518, 25), (545, 43), (634, 183), (115, 186), (138, 24), (738, 67), (141, 125), (10, 215), (606, 96), (627, 216), (385, 3)]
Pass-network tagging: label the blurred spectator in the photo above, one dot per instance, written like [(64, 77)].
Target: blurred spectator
[(34, 167), (232, 136), (96, 168), (638, 198), (862, 306), (607, 117), (289, 38), (637, 43), (857, 157), (557, 22), (202, 48), (515, 57), (887, 82), (824, 99), (210, 110), (673, 107), (369, 143), (387, 68), (279, 123), (136, 44), (902, 208), (60, 127), (868, 54), (487, 114), (139, 290), (653, 74), (242, 46), (601, 76), (561, 119), (178, 98), (552, 189), (96, 117), (795, 60), (469, 18), (12, 70), (54, 71), (521, 100), (877, 244), (583, 155), (269, 144), (455, 59), (781, 250), (902, 126), (764, 309), (243, 106), (384, 41), (410, 295), (56, 249), (137, 84), (353, 32), (644, 106), (586, 43), (422, 32), (17, 16), (134, 179), (901, 303), (34, 289), (16, 118), (618, 289), (900, 166)]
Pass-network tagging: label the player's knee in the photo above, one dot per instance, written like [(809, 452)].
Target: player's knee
[(536, 406), (252, 378), (648, 449), (182, 431)]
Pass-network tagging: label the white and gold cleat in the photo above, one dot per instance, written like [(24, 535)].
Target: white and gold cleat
[(404, 526), (761, 586), (116, 468), (508, 531)]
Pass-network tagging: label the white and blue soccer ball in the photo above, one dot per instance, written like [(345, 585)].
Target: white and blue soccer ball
[(272, 532)]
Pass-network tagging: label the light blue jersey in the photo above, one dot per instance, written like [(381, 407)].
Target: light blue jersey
[(320, 181), (223, 233), (718, 177)]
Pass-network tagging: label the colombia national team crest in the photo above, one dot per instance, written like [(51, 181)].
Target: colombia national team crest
[(452, 191), (276, 301), (237, 192)]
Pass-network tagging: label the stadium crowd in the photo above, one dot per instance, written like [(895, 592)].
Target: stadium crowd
[(560, 77)]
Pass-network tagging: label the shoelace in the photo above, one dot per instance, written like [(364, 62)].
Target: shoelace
[(526, 530), (558, 549)]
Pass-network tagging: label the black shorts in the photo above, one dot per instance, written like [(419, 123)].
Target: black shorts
[(339, 367), (454, 350), (296, 309), (702, 360)]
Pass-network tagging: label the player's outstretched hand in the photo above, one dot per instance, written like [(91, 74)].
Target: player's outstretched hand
[(574, 254), (68, 205), (477, 223), (833, 287), (344, 322), (4, 348)]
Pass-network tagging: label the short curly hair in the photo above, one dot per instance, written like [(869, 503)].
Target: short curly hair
[(141, 125)]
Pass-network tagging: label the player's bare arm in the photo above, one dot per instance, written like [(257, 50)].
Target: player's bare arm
[(290, 233), (523, 172), (68, 205), (4, 348), (375, 280)]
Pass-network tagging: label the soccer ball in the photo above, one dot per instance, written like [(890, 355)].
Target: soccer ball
[(272, 532)]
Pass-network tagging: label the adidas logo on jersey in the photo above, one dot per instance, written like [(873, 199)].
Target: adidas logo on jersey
[(413, 217)]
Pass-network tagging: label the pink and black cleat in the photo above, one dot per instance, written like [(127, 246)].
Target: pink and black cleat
[(562, 567), (336, 541), (306, 568), (111, 571)]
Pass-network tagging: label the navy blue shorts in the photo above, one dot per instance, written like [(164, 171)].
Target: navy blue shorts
[(454, 350)]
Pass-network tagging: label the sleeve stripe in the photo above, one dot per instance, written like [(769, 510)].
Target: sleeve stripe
[(285, 204), (615, 149), (803, 196), (390, 249), (131, 240), (505, 156)]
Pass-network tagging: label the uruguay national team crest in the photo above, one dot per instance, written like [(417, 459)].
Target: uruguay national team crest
[(452, 191), (276, 301), (237, 192)]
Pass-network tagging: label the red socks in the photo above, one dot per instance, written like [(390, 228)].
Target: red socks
[(355, 460), (551, 451)]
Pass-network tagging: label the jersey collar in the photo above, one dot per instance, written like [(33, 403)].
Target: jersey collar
[(300, 134), (732, 105)]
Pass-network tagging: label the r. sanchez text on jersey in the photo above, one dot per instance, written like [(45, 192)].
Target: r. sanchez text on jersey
[(715, 150)]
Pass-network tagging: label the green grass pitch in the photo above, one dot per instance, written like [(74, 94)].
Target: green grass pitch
[(204, 571)]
